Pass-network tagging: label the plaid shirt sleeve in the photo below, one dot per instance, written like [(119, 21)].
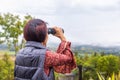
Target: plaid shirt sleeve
[(62, 60)]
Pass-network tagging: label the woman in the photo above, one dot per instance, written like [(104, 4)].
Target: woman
[(35, 61)]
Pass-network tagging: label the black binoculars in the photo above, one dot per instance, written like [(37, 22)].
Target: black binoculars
[(52, 31)]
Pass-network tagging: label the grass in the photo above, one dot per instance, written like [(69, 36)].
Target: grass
[(11, 53), (2, 52)]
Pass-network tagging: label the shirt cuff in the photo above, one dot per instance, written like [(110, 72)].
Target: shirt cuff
[(64, 45)]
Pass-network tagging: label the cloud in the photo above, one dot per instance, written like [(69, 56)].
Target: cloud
[(97, 2), (27, 6), (58, 7), (77, 7)]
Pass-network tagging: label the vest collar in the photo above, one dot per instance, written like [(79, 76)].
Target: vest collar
[(34, 44)]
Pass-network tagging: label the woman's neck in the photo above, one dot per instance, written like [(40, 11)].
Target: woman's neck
[(44, 44)]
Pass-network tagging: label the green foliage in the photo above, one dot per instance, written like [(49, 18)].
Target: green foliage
[(89, 64), (6, 68), (119, 62), (108, 64), (12, 28), (56, 75), (105, 64), (112, 77), (100, 76)]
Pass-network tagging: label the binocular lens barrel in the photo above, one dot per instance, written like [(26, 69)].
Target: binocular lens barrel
[(52, 31)]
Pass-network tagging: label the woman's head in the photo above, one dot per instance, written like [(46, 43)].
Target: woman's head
[(35, 30)]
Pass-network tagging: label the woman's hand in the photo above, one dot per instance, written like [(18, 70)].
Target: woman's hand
[(59, 33)]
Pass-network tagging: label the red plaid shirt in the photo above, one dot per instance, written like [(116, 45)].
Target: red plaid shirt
[(62, 61)]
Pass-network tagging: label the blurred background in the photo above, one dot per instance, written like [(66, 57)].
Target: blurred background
[(93, 27)]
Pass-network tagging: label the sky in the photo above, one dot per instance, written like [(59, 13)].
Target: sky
[(95, 22)]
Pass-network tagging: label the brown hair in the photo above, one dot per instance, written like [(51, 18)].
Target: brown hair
[(35, 30)]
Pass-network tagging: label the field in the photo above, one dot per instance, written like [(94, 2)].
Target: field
[(11, 53), (7, 52)]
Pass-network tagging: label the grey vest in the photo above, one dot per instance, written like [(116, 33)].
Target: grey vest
[(29, 64)]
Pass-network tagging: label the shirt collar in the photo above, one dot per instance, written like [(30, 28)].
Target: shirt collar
[(34, 44)]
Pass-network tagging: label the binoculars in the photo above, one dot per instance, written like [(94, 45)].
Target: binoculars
[(52, 31)]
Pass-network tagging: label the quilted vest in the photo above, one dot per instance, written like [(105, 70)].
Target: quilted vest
[(29, 63)]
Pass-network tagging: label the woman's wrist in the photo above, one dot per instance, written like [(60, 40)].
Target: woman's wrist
[(63, 38)]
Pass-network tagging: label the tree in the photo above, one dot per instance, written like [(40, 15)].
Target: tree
[(12, 29), (108, 64)]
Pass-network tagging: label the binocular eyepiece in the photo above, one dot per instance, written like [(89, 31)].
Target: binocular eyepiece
[(52, 31)]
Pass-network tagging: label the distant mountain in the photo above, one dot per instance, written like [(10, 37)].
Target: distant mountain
[(100, 49), (90, 48)]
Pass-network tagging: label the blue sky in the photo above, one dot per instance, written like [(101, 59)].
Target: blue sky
[(84, 21)]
